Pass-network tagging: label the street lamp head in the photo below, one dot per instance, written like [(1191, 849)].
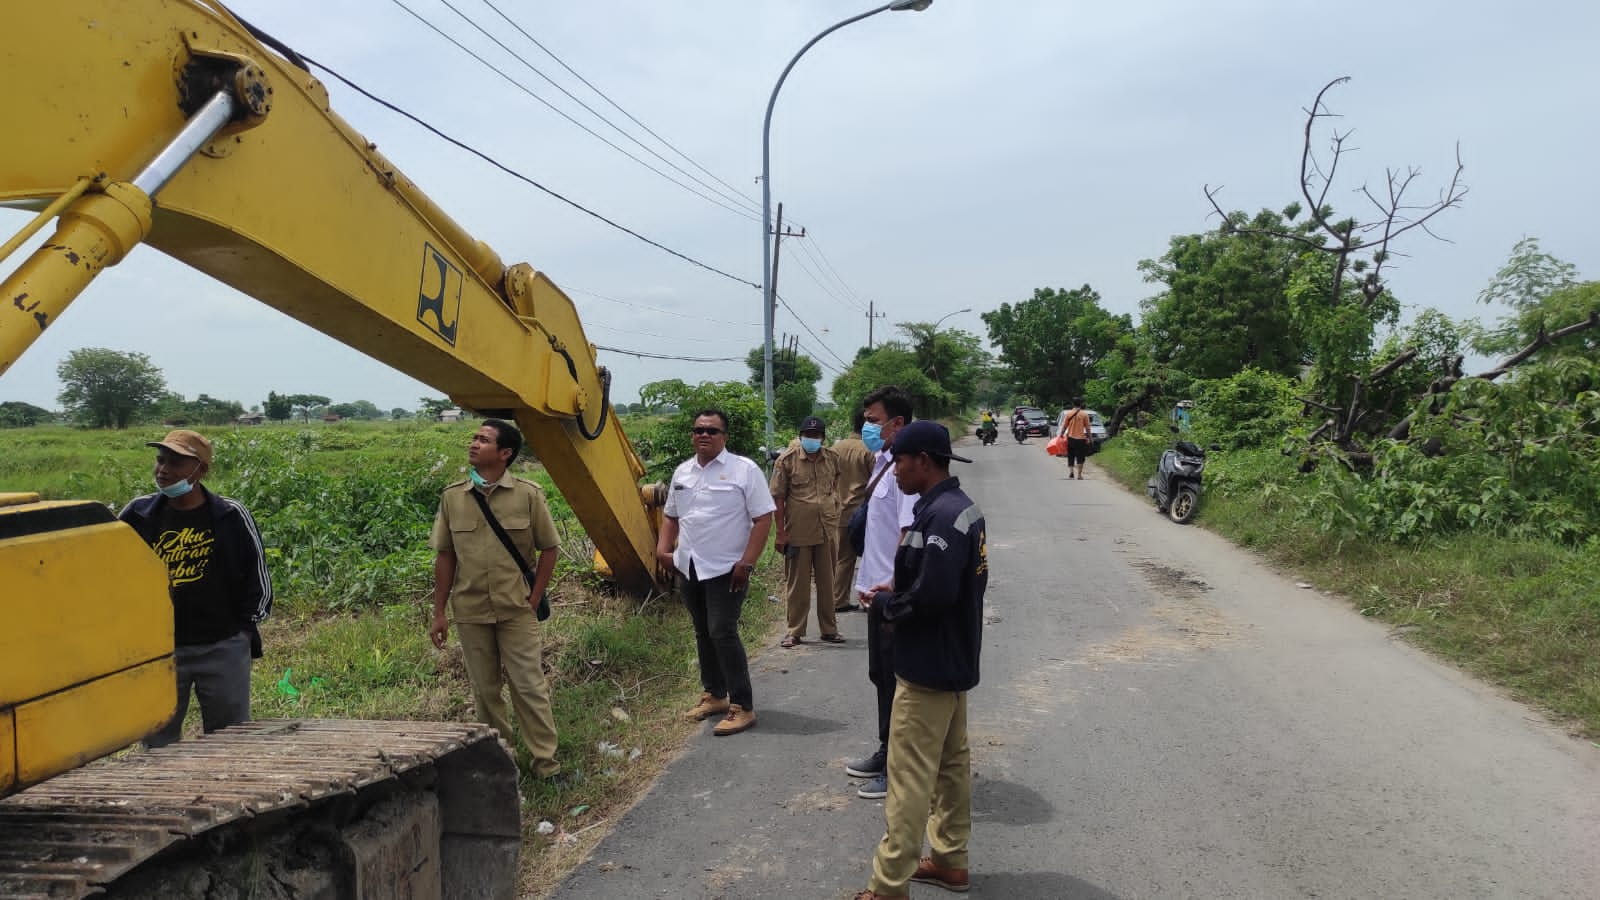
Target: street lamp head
[(910, 5)]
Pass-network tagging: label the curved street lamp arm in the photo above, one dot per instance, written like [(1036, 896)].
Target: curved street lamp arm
[(766, 213)]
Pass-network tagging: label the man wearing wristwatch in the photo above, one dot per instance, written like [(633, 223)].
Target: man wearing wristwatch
[(718, 514)]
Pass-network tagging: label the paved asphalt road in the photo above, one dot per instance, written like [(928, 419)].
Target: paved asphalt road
[(1160, 716)]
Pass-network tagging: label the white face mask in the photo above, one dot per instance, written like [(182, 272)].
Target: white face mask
[(176, 489)]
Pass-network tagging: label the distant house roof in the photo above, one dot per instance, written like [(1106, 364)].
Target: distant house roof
[(453, 414), (251, 419)]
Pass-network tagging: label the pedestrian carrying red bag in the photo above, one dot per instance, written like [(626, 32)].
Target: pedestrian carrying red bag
[(1057, 446)]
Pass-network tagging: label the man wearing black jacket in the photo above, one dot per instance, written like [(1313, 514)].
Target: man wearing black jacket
[(935, 606), (217, 575)]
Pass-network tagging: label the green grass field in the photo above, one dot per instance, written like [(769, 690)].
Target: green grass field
[(344, 511)]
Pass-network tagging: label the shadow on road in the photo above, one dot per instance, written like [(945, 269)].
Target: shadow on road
[(778, 721), (1054, 885), (1009, 803)]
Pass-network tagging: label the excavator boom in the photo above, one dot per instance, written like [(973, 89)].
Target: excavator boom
[(168, 122)]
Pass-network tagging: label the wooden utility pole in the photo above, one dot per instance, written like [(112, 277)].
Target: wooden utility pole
[(870, 317), (778, 234)]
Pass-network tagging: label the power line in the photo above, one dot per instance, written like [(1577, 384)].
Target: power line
[(521, 177), (818, 358), (668, 312), (552, 107), (803, 324), (652, 334), (811, 273), (645, 354), (618, 108), (837, 277)]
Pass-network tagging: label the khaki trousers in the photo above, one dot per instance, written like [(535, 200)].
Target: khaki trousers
[(930, 787), (803, 566), (844, 566), (512, 647)]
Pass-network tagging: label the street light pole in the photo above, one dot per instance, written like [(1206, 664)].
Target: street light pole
[(933, 341), (766, 202)]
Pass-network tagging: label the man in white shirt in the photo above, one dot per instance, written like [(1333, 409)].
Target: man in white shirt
[(718, 513), (889, 510)]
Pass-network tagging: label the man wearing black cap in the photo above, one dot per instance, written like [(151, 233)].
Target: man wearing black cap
[(217, 574), (935, 605), (804, 486)]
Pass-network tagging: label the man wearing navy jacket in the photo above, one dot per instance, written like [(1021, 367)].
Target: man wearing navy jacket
[(935, 606)]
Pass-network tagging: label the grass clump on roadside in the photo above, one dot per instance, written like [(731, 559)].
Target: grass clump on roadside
[(1518, 610)]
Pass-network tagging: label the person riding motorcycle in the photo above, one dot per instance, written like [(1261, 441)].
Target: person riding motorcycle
[(987, 428)]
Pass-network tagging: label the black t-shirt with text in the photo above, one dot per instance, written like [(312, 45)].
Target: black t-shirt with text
[(186, 540)]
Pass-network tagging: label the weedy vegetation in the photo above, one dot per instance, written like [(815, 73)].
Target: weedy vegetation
[(345, 510)]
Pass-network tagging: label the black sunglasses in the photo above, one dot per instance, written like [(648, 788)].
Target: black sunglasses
[(706, 430)]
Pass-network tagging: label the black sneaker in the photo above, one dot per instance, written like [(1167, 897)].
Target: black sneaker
[(871, 767), (876, 789)]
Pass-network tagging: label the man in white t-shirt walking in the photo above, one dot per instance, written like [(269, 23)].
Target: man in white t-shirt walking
[(889, 511)]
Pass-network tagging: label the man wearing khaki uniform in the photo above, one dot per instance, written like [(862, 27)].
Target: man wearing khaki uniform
[(494, 607), (804, 488), (855, 470)]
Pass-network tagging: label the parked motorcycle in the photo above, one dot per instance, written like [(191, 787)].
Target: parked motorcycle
[(1176, 487)]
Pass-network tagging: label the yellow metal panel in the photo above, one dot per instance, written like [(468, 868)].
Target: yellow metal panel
[(8, 751), (301, 212), (66, 730), (79, 603)]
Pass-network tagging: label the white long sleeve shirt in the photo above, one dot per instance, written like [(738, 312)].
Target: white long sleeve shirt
[(889, 509)]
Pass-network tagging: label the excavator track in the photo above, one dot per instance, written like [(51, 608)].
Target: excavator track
[(290, 808)]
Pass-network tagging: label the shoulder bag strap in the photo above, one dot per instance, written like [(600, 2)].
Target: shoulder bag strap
[(879, 477), (543, 611)]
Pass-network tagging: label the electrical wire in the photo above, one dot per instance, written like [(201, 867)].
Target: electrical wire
[(803, 324), (548, 52), (668, 312), (811, 273), (815, 357), (552, 107), (645, 354), (521, 177), (837, 277)]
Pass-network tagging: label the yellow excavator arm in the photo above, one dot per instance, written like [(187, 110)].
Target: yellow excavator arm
[(166, 122)]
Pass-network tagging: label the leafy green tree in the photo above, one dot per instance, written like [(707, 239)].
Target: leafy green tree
[(203, 410), (399, 412), (953, 360), (891, 362), (431, 407), (277, 408), (1222, 304), (358, 409), (664, 444), (1544, 295), (1052, 342), (788, 366), (107, 388), (306, 404), (16, 414)]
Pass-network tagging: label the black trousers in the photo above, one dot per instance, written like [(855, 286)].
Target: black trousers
[(880, 666), (714, 607)]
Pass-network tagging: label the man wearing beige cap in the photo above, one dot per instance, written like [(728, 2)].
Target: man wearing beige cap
[(217, 575)]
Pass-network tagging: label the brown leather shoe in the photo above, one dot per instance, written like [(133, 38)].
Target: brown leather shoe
[(930, 873), (707, 707), (738, 719)]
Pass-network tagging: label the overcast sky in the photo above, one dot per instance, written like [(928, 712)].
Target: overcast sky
[(958, 157)]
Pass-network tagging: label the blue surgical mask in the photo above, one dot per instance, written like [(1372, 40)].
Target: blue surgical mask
[(176, 489), (476, 478), (810, 445), (872, 436)]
